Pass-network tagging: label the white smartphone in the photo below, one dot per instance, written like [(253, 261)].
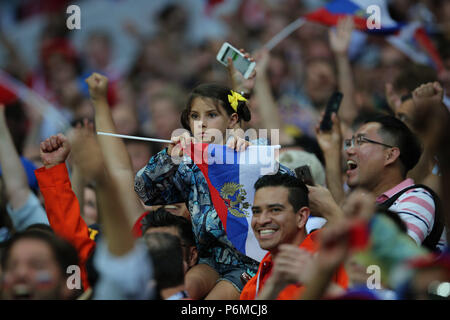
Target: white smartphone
[(242, 64)]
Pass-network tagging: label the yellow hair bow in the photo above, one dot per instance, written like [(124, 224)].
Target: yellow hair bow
[(234, 99)]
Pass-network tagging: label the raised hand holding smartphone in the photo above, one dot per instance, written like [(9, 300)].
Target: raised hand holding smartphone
[(240, 62), (332, 107)]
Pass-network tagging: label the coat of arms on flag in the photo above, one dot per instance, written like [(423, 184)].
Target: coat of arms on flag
[(234, 196)]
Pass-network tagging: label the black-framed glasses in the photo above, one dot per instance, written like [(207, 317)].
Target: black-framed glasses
[(359, 140)]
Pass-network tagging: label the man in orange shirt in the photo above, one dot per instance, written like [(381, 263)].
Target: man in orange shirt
[(280, 212)]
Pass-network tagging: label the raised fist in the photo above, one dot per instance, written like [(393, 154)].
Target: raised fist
[(98, 86), (54, 150), (429, 110), (427, 93)]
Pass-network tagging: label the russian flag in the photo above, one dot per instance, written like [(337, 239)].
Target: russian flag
[(414, 42), (337, 9), (231, 177), (411, 38)]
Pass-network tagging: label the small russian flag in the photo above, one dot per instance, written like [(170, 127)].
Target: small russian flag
[(337, 9), (414, 42), (231, 176)]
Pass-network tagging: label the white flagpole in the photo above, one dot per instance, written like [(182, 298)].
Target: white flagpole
[(280, 36), (133, 137), (100, 133)]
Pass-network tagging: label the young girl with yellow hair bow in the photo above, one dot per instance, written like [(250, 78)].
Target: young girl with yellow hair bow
[(210, 109)]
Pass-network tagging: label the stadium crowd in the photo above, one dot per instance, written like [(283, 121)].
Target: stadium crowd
[(87, 216)]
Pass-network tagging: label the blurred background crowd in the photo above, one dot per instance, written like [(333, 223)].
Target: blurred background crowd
[(154, 52)]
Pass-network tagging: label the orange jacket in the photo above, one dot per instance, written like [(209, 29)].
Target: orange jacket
[(293, 291), (63, 212)]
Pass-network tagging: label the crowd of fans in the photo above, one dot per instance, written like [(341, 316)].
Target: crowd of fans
[(79, 211)]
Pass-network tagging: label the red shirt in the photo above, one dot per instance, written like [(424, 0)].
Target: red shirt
[(63, 212), (292, 291)]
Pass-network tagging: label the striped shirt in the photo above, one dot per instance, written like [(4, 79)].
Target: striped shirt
[(416, 208)]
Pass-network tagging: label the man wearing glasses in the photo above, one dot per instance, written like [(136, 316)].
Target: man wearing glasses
[(379, 156)]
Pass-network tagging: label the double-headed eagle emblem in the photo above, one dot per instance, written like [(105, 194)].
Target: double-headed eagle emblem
[(234, 195)]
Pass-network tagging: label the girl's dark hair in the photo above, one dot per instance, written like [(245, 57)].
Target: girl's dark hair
[(219, 95)]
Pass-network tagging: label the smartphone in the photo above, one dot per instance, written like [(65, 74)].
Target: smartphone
[(242, 64), (333, 106), (304, 173)]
